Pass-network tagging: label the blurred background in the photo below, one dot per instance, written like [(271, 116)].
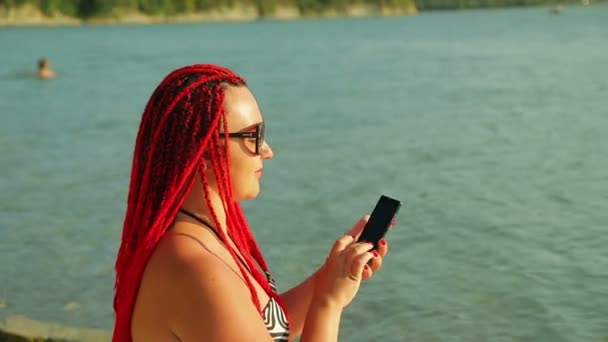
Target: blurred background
[(489, 124)]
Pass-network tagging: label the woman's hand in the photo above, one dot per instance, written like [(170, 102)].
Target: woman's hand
[(348, 264), (376, 263), (338, 281)]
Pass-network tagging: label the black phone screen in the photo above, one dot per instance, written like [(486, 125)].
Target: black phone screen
[(380, 219)]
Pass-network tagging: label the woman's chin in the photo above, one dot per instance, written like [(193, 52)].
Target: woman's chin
[(249, 195)]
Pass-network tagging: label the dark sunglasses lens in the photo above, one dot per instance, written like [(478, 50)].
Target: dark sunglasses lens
[(260, 137)]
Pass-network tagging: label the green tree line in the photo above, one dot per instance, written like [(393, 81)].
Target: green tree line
[(423, 5), (100, 8)]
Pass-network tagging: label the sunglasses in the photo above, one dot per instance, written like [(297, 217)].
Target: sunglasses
[(257, 134)]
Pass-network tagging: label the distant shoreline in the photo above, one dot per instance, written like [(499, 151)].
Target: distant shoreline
[(32, 16), (28, 16)]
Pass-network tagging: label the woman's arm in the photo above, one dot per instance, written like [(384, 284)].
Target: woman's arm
[(298, 299), (205, 300), (322, 321)]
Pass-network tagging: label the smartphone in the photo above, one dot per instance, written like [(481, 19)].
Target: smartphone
[(380, 220)]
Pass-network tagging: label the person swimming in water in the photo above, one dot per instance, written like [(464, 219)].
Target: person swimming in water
[(44, 69)]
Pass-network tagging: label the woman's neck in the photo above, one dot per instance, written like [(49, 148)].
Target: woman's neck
[(196, 203)]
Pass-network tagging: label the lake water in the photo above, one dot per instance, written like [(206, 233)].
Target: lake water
[(491, 126)]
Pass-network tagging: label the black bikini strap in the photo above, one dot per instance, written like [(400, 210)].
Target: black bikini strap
[(201, 221), (210, 226)]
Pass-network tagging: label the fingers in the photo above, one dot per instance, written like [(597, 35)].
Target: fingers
[(340, 245), (376, 263), (358, 265), (358, 259), (367, 273), (356, 249), (382, 247), (353, 255), (356, 230)]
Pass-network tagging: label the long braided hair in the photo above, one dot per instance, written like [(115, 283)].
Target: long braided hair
[(178, 131)]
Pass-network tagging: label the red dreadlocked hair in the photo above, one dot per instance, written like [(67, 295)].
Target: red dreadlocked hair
[(178, 130)]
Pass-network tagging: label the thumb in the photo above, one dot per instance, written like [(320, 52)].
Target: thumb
[(356, 230)]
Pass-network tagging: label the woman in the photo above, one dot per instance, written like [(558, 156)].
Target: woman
[(189, 268)]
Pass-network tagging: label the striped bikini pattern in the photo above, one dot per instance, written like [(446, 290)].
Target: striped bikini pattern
[(274, 317)]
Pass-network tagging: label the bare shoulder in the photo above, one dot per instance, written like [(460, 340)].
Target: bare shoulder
[(189, 291)]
